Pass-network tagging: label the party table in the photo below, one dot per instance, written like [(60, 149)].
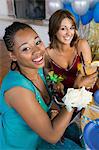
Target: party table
[(89, 113)]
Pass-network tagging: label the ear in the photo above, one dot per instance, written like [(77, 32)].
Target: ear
[(12, 56)]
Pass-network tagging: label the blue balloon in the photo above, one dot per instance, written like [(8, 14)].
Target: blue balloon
[(96, 13), (91, 135), (85, 19), (96, 97), (69, 8)]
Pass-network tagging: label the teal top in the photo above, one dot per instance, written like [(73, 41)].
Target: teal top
[(14, 131)]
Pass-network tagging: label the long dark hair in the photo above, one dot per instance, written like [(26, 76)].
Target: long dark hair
[(54, 25)]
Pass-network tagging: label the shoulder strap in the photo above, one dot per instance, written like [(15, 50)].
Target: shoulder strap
[(83, 63)]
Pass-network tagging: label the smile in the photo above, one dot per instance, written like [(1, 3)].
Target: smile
[(38, 60), (68, 38)]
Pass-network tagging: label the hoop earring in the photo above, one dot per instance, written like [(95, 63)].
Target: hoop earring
[(14, 65)]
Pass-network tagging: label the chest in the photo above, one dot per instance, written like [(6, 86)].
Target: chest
[(41, 87), (66, 59)]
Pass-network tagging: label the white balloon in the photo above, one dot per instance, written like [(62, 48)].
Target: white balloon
[(54, 5), (80, 6), (92, 3)]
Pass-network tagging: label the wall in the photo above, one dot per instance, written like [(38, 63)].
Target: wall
[(4, 60), (42, 30), (3, 7)]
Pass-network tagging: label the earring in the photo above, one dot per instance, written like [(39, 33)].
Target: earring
[(14, 65)]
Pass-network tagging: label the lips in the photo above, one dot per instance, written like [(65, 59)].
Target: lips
[(68, 38), (38, 60)]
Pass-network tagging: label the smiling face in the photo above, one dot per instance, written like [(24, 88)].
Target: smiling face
[(66, 31), (28, 49)]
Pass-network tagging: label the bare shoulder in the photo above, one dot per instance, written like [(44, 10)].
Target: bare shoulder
[(82, 41), (83, 46), (16, 93)]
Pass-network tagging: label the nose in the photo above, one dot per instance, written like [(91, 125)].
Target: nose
[(38, 50), (35, 50), (68, 31)]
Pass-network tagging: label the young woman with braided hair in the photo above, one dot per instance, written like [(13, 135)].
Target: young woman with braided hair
[(24, 99)]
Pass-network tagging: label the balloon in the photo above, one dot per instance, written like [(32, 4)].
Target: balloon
[(85, 19), (54, 5), (80, 6), (96, 13), (96, 97), (69, 8), (92, 3), (67, 1)]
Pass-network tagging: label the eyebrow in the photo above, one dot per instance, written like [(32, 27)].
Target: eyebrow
[(36, 37), (27, 43), (22, 44)]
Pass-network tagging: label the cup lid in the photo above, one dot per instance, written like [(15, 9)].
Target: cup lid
[(91, 134)]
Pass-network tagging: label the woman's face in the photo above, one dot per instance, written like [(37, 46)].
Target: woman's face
[(66, 31), (28, 49)]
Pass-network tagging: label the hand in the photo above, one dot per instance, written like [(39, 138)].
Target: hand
[(76, 98), (87, 81)]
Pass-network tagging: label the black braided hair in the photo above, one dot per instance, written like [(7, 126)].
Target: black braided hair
[(10, 31)]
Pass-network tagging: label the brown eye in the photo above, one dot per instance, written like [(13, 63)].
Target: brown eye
[(38, 42), (62, 28), (25, 49), (73, 27)]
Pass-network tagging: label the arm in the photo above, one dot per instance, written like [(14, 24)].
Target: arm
[(85, 80), (51, 130), (84, 47)]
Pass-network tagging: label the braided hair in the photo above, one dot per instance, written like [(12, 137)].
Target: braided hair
[(10, 32), (8, 38)]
